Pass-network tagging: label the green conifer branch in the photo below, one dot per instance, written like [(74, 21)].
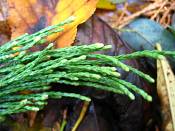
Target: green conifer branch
[(22, 70)]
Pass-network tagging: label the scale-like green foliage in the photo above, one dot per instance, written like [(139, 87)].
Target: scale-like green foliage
[(22, 70)]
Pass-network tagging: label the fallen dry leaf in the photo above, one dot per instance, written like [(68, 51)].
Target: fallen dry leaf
[(4, 28), (166, 90), (81, 9), (29, 15), (33, 15)]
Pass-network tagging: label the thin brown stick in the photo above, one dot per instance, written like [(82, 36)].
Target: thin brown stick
[(162, 20), (133, 16), (122, 14), (158, 11)]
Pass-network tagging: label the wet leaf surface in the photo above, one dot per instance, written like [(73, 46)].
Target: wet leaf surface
[(144, 34)]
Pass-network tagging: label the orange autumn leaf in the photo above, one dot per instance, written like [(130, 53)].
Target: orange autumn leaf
[(4, 28), (80, 9), (29, 15), (33, 15)]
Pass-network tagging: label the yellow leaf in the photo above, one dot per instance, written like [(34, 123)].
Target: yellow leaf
[(166, 92), (67, 38), (33, 15), (80, 9), (29, 16), (106, 4)]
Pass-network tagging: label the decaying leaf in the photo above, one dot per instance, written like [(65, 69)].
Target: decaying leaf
[(166, 90), (29, 15), (33, 15)]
